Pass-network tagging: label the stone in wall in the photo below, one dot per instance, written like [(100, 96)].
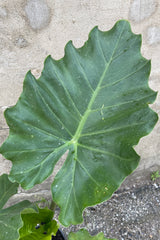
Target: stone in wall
[(21, 42), (3, 12), (38, 14), (141, 9), (153, 35)]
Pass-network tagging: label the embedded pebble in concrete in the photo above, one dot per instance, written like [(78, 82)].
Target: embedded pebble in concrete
[(153, 35), (38, 14), (21, 42), (141, 9), (3, 12)]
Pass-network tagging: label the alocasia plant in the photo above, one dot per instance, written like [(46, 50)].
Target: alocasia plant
[(24, 220), (10, 218), (92, 103)]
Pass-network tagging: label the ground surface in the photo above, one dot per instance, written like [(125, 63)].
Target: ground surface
[(133, 213)]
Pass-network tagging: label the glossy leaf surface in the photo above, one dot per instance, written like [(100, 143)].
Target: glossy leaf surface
[(10, 218), (83, 234), (94, 103), (38, 225)]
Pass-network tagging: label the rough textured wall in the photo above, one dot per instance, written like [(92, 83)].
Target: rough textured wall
[(32, 29)]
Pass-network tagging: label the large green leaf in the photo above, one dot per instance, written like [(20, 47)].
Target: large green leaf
[(94, 103), (38, 225), (10, 218), (83, 234)]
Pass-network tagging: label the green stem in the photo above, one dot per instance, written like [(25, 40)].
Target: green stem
[(52, 206)]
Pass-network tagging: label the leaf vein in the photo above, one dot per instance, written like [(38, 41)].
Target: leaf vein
[(104, 152), (7, 225), (30, 150), (117, 105), (121, 79), (89, 175), (5, 194), (112, 129), (44, 131), (87, 112), (100, 48), (41, 163), (121, 53), (82, 69), (53, 113), (67, 92), (50, 94)]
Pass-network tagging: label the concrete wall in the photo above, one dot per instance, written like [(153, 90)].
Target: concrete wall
[(32, 29)]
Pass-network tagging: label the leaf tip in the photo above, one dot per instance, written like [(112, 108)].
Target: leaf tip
[(68, 45), (48, 58), (28, 76)]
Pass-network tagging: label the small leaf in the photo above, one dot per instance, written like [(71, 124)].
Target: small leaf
[(83, 234), (92, 103), (38, 225), (155, 175), (10, 218), (11, 222)]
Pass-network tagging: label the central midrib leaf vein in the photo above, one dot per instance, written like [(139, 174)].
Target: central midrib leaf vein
[(87, 112)]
